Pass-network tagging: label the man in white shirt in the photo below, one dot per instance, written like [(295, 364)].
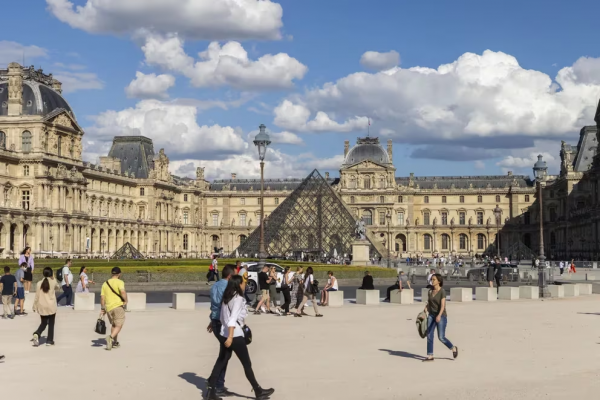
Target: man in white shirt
[(561, 265), (431, 273), (66, 283)]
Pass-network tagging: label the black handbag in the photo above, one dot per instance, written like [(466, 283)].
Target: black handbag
[(100, 326), (314, 288)]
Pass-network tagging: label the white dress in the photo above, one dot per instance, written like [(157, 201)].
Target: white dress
[(80, 288)]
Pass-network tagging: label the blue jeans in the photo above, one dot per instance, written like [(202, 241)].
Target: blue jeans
[(68, 293), (216, 328), (441, 329)]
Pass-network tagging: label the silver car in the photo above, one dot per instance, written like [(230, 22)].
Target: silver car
[(253, 275)]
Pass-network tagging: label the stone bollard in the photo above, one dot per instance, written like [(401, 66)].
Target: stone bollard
[(584, 289), (136, 301), (571, 290), (184, 301), (406, 296), (367, 297), (485, 294), (29, 298), (85, 301), (529, 292), (557, 291), (508, 293), (424, 295), (336, 299), (461, 294)]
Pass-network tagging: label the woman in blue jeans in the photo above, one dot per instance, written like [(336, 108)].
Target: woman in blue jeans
[(437, 317)]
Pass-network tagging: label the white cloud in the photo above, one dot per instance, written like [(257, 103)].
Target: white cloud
[(228, 65), (74, 81), (479, 164), (522, 160), (15, 52), (284, 137), (295, 117), (380, 61), (196, 19), (150, 86), (170, 125)]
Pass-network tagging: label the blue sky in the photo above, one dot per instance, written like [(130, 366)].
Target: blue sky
[(520, 77)]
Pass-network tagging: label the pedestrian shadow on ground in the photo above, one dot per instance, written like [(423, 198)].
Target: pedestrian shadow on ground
[(405, 354), (201, 383), (99, 342), (588, 313)]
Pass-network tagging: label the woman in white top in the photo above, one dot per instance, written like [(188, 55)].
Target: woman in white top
[(332, 286), (309, 293), (233, 315), (83, 286)]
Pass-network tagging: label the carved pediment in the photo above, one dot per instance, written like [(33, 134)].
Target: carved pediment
[(63, 120)]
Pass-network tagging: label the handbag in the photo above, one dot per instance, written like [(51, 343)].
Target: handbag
[(100, 326)]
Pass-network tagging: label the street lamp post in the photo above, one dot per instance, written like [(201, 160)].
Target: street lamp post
[(498, 214), (539, 170), (261, 141), (388, 218), (51, 246), (103, 244)]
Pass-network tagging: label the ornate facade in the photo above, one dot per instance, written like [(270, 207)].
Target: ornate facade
[(54, 201)]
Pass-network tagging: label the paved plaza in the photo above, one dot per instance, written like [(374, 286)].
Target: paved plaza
[(508, 350)]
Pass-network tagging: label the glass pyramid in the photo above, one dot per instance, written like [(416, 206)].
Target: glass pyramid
[(127, 251)]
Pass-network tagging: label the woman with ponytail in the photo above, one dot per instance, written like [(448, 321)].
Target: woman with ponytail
[(45, 305)]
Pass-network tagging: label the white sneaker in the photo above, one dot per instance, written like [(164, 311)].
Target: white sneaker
[(109, 342), (36, 340)]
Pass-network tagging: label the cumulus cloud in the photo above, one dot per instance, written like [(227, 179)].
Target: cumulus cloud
[(296, 117), (150, 86), (171, 126), (196, 19), (473, 99), (15, 52), (74, 81), (223, 65), (522, 160), (380, 61)]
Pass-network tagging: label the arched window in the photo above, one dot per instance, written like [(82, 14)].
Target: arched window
[(462, 240), (215, 219), (367, 217), (497, 198), (2, 140), (427, 242), (480, 199), (480, 241), (445, 242), (352, 200), (26, 142), (367, 183), (400, 198), (426, 199), (25, 170), (185, 241), (186, 216), (426, 218)]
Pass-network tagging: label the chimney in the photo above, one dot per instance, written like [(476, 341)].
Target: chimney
[(56, 85), (326, 175), (389, 149), (233, 175), (346, 147), (15, 89)]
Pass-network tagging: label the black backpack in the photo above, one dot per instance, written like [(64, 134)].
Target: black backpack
[(59, 274)]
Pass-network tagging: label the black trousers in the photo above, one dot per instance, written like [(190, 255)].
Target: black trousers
[(389, 290), (299, 298), (47, 321), (287, 299), (498, 283), (238, 346)]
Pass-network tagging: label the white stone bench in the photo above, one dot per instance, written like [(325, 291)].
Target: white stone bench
[(529, 292), (591, 277), (571, 290), (508, 293), (424, 295), (184, 301), (336, 299), (367, 297), (85, 301), (557, 291), (584, 289), (461, 294), (485, 294), (406, 296), (29, 298), (136, 301)]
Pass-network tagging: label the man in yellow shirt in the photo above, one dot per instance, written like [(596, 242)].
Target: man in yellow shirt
[(113, 300)]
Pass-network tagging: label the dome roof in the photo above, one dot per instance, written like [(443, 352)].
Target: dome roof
[(367, 149), (38, 99)]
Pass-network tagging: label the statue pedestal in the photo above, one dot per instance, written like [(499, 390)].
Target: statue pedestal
[(360, 252)]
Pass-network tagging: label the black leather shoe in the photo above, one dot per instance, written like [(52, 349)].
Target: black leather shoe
[(211, 394), (224, 392), (263, 394)]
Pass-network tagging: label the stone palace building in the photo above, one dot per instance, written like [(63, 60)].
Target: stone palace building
[(54, 201)]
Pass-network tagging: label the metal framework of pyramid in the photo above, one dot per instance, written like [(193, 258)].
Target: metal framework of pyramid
[(127, 251), (312, 219)]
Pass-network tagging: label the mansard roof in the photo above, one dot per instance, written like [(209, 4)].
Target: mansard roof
[(136, 154), (466, 182), (254, 184)]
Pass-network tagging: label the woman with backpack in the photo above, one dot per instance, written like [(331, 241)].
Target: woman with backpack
[(437, 317), (311, 289), (45, 305)]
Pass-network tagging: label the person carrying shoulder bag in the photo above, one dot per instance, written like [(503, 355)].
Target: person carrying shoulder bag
[(113, 300)]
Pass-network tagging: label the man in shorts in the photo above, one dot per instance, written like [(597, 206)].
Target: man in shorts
[(113, 300), (20, 299), (263, 283)]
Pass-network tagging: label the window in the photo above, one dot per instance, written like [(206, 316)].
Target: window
[(479, 218), (552, 194), (462, 199), (527, 198), (367, 183), (497, 198), (25, 199), (2, 140), (427, 242), (480, 199), (527, 218), (243, 238), (185, 217), (351, 199), (142, 214), (381, 183), (142, 191), (553, 214), (400, 199), (367, 217), (461, 218), (243, 201), (426, 218), (400, 218), (185, 197), (59, 144), (185, 241), (443, 199), (259, 200), (353, 183), (382, 218), (276, 200), (445, 242), (382, 199), (214, 201), (480, 241), (26, 142), (25, 170), (426, 199), (462, 240), (444, 218), (215, 220), (242, 219), (72, 148)]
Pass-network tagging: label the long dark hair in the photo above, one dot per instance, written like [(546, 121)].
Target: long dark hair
[(309, 272), (25, 249), (81, 270), (233, 287), (45, 284)]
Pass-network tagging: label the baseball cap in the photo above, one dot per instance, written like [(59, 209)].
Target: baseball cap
[(116, 271)]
